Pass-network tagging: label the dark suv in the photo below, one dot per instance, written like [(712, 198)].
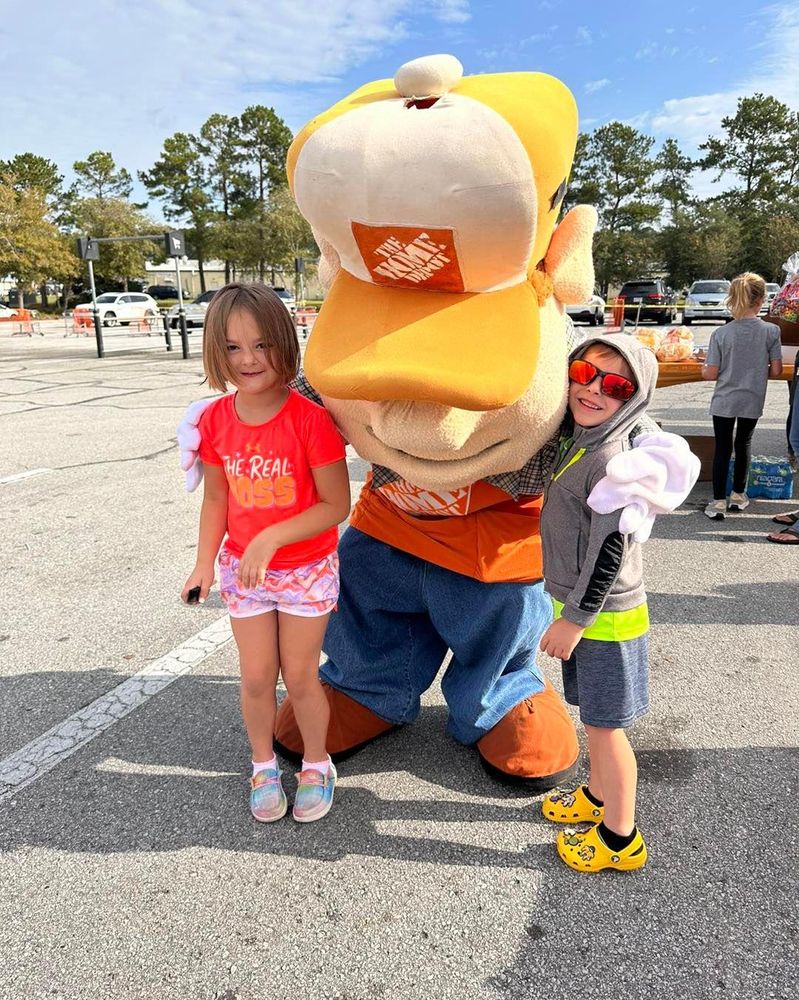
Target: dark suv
[(163, 292), (648, 298)]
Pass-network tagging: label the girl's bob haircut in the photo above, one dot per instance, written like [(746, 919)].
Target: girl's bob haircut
[(746, 291), (272, 319)]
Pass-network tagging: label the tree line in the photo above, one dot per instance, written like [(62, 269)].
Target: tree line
[(226, 187)]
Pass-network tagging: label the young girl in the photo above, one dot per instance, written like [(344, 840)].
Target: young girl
[(742, 356), (276, 485)]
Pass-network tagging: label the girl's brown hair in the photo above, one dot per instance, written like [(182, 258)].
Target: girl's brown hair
[(746, 291), (273, 320)]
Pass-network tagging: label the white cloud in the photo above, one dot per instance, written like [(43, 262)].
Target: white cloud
[(584, 35), (691, 120), (594, 85), (124, 78)]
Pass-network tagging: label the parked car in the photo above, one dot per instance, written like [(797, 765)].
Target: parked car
[(649, 298), (117, 308), (706, 299), (9, 313), (288, 299), (195, 311), (771, 290), (591, 312), (164, 292)]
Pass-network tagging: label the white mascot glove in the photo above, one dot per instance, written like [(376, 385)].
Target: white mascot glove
[(189, 443), (653, 477)]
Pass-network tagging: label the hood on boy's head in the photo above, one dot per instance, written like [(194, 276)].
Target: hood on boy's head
[(644, 367)]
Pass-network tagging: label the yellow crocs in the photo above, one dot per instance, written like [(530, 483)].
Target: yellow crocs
[(571, 807), (587, 852)]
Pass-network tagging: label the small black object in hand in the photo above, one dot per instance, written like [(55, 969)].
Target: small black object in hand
[(193, 596)]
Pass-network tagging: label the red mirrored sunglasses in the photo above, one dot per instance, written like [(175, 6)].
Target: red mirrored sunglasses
[(611, 385)]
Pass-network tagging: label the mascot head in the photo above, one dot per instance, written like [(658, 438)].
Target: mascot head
[(440, 349)]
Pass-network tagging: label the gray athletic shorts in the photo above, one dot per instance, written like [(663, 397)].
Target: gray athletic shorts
[(609, 681)]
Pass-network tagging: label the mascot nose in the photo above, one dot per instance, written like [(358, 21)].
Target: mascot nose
[(430, 76)]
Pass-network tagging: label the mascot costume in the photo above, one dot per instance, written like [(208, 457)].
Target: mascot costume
[(440, 352)]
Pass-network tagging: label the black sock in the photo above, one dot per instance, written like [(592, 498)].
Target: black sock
[(615, 841), (592, 798)]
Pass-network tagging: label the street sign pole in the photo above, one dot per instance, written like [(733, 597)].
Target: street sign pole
[(184, 336), (98, 326)]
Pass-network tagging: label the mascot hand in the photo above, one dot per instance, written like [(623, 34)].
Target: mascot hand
[(654, 477), (189, 443)]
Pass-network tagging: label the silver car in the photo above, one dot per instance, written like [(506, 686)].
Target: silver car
[(592, 311), (195, 311), (706, 299)]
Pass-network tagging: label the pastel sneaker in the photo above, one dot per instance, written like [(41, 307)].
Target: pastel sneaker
[(314, 794), (268, 801), (737, 501), (716, 510)]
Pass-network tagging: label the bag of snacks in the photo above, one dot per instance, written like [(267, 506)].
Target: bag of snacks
[(649, 338), (785, 303), (677, 345)]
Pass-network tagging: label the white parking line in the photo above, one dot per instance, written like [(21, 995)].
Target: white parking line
[(24, 475), (53, 747)]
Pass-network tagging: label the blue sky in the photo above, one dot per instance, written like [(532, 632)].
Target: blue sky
[(122, 77)]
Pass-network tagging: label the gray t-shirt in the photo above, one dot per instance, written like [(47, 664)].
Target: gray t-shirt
[(742, 350)]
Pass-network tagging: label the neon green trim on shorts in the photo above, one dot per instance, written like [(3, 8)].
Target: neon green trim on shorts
[(614, 626)]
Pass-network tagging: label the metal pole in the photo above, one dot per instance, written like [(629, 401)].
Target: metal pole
[(167, 334), (98, 329), (184, 337)]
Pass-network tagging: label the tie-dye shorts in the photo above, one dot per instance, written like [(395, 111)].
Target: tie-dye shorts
[(308, 591)]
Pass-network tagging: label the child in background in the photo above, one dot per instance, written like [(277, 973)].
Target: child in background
[(742, 356), (276, 486), (594, 575)]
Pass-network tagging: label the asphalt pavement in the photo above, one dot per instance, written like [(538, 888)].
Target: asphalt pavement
[(130, 866)]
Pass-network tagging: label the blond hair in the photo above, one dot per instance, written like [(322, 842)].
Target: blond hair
[(746, 291), (272, 319)]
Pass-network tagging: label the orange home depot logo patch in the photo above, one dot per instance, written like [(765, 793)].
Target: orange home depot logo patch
[(414, 500), (410, 256)]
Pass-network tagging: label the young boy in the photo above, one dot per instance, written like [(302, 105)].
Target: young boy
[(593, 574)]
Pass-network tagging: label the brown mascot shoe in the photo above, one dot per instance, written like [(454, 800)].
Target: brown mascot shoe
[(534, 745), (352, 727)]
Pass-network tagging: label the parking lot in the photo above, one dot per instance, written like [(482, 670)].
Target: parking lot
[(129, 863)]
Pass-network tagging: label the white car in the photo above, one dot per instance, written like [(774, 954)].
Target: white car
[(8, 313), (706, 299), (286, 298), (592, 311), (117, 308), (771, 290)]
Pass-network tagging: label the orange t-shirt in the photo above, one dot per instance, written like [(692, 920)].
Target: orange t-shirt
[(478, 531), (268, 470)]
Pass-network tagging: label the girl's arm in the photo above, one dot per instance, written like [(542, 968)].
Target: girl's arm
[(213, 525), (333, 486)]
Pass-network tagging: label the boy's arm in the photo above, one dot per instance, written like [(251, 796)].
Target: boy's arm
[(603, 561), (213, 525), (333, 486)]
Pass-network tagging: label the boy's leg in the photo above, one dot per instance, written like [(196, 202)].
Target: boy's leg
[(256, 638), (300, 644), (722, 427), (744, 430), (613, 762)]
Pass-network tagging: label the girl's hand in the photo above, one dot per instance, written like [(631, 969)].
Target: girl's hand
[(255, 561), (560, 638), (202, 577)]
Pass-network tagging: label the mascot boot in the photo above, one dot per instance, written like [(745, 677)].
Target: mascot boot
[(440, 352)]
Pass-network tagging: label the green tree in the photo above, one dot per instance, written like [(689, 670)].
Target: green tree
[(266, 140), (98, 177), (673, 182), (179, 178), (615, 172), (221, 145), (31, 247), (104, 217)]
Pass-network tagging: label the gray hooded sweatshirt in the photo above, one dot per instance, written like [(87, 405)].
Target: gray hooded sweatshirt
[(589, 566)]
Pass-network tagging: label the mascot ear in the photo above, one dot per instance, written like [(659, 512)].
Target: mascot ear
[(329, 262), (568, 260)]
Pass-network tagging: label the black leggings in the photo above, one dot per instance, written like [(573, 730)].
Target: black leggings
[(723, 427)]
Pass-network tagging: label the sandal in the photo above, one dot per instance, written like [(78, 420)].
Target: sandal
[(571, 807), (784, 537), (588, 852), (789, 518)]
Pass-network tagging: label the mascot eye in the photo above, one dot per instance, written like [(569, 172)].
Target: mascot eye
[(558, 196)]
